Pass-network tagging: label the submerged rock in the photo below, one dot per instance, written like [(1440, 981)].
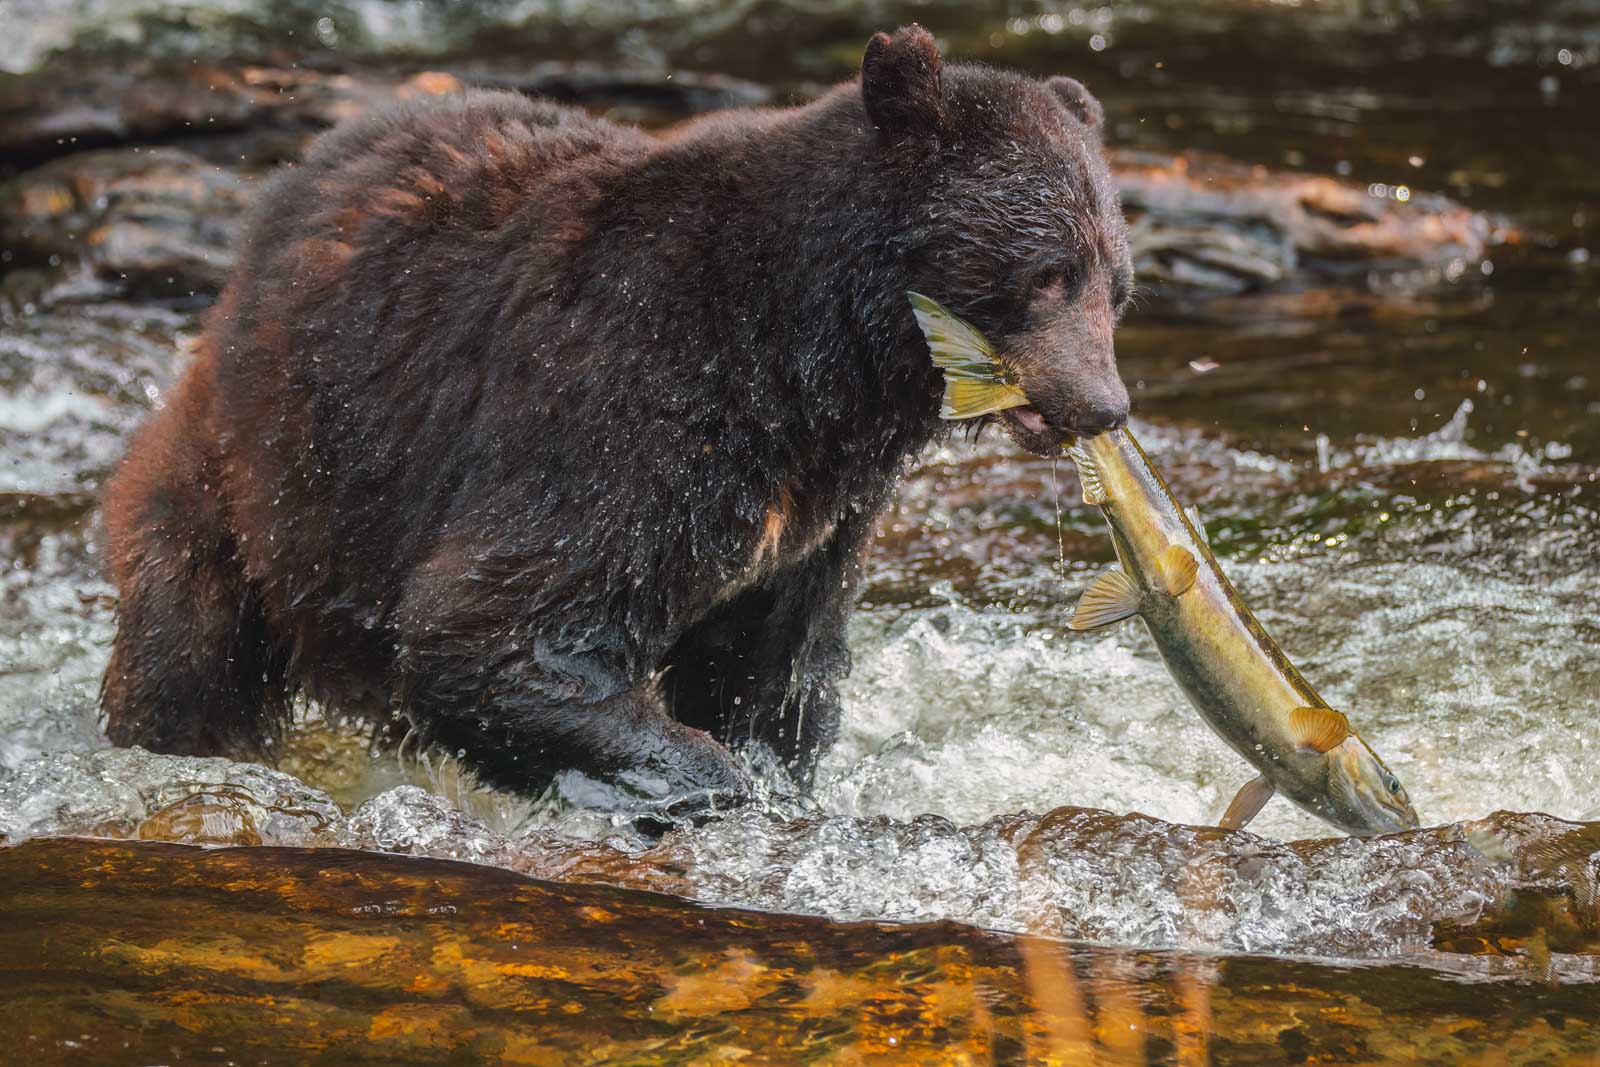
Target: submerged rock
[(159, 221), (1207, 223), (1075, 872), (1130, 879), (143, 221), (71, 106), (647, 95)]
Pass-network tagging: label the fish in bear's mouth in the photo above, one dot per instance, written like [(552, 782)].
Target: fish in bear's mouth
[(978, 386)]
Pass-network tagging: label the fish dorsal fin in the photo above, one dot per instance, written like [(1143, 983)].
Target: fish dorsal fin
[(1318, 729), (1094, 491), (1178, 568), (975, 382), (1247, 802), (1110, 598), (1197, 522)]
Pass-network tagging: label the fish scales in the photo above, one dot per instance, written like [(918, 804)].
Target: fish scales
[(1203, 629), (1228, 666)]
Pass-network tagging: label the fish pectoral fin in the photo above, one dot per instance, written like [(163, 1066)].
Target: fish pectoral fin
[(1110, 598), (1318, 729), (966, 398), (1197, 522), (1178, 568), (1247, 802), (1094, 491)]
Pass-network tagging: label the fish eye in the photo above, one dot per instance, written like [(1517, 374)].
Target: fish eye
[(1391, 783)]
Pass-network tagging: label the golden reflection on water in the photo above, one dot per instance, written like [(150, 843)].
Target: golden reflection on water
[(1118, 1030)]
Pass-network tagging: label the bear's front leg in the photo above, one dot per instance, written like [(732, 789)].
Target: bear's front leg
[(520, 711), (764, 665)]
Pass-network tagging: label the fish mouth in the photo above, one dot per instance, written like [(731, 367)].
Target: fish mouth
[(1029, 430), (1361, 804), (1374, 820)]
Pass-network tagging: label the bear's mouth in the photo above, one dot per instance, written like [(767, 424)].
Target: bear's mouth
[(1028, 428)]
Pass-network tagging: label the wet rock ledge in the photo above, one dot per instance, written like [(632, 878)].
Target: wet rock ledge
[(145, 952)]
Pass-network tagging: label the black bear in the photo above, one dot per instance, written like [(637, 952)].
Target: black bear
[(561, 443)]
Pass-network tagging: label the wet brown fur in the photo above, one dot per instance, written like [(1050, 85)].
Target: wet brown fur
[(562, 443)]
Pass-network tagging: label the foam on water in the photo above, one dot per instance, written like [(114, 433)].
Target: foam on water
[(72, 385), (970, 712), (55, 627), (131, 793), (1078, 873)]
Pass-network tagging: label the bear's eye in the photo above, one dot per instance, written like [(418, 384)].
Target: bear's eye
[(1061, 281)]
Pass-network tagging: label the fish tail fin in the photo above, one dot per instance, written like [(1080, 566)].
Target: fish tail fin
[(976, 383), (968, 399)]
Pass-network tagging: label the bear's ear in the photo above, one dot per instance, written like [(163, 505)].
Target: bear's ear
[(1080, 102), (900, 85)]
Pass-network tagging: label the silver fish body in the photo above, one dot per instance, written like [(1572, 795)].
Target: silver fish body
[(1227, 665)]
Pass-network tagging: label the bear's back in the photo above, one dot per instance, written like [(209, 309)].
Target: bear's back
[(465, 162)]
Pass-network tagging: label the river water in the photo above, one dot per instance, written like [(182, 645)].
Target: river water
[(1399, 470)]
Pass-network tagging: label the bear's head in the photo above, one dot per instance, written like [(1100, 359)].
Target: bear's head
[(1011, 220)]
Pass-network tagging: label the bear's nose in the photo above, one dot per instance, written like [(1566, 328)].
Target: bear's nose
[(1099, 417)]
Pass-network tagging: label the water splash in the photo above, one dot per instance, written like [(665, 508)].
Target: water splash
[(1075, 872), (132, 793)]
